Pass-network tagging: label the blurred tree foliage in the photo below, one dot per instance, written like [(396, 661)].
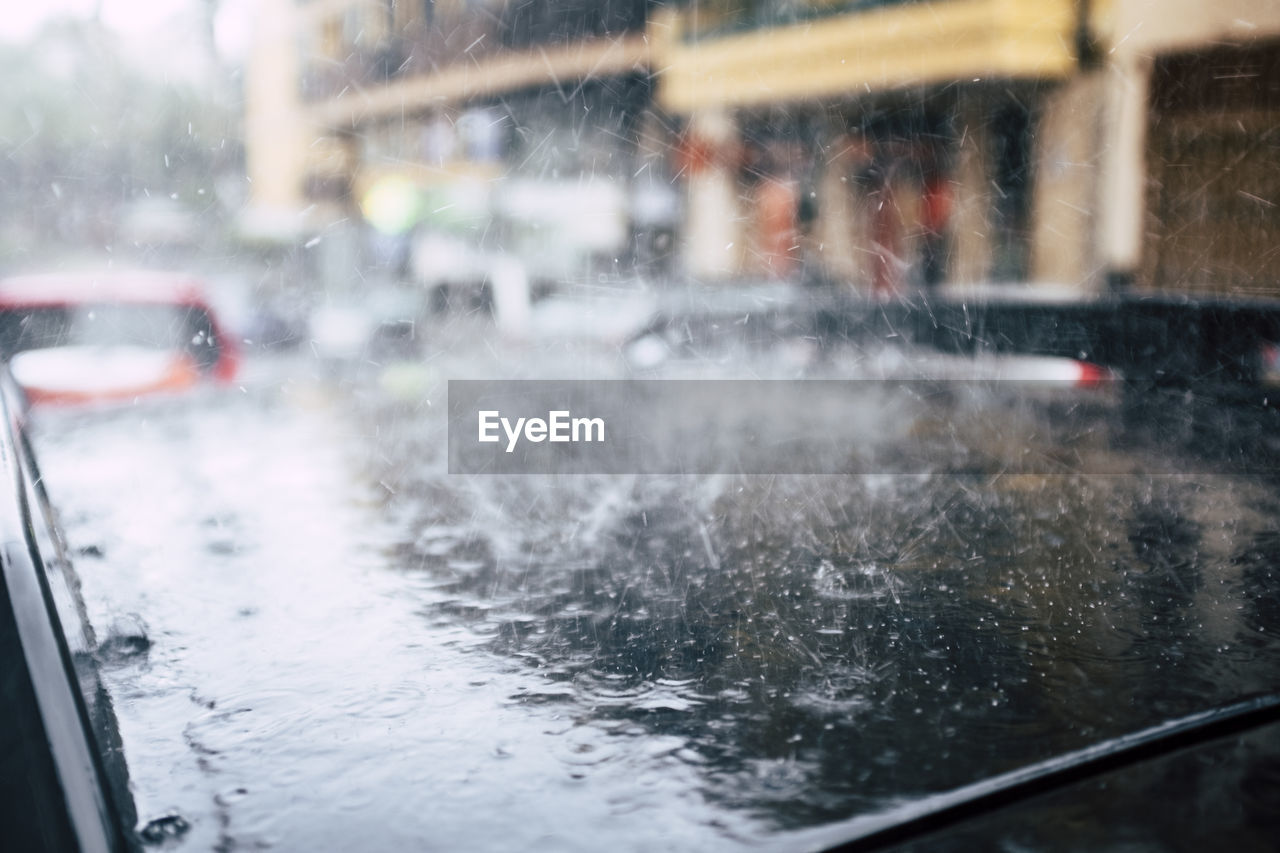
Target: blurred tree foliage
[(86, 128)]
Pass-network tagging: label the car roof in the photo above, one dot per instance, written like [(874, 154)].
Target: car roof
[(113, 286)]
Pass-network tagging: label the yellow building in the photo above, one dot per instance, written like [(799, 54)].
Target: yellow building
[(890, 144), (1089, 143), (1189, 196), (456, 98)]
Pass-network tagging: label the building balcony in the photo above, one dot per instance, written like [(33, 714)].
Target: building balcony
[(366, 89), (360, 46), (866, 48)]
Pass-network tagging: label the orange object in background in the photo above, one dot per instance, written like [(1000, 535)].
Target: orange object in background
[(777, 236), (936, 209)]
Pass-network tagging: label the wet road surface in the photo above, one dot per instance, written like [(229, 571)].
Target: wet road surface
[(346, 648)]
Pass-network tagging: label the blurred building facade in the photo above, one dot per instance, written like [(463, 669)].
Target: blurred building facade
[(893, 144), (523, 126)]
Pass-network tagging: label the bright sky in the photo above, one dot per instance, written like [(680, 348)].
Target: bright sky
[(141, 22), (21, 20)]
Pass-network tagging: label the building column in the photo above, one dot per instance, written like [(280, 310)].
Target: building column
[(1121, 201), (1065, 185), (713, 228), (844, 214), (277, 128), (971, 206)]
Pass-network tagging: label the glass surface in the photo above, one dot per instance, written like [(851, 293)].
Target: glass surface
[(1048, 227)]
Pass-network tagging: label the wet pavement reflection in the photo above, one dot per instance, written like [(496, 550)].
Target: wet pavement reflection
[(317, 639)]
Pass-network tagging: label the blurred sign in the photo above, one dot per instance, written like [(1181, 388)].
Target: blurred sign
[(393, 205)]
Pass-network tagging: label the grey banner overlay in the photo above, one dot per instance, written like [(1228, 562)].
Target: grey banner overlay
[(802, 427)]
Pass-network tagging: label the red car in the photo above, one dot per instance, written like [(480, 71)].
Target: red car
[(86, 337)]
